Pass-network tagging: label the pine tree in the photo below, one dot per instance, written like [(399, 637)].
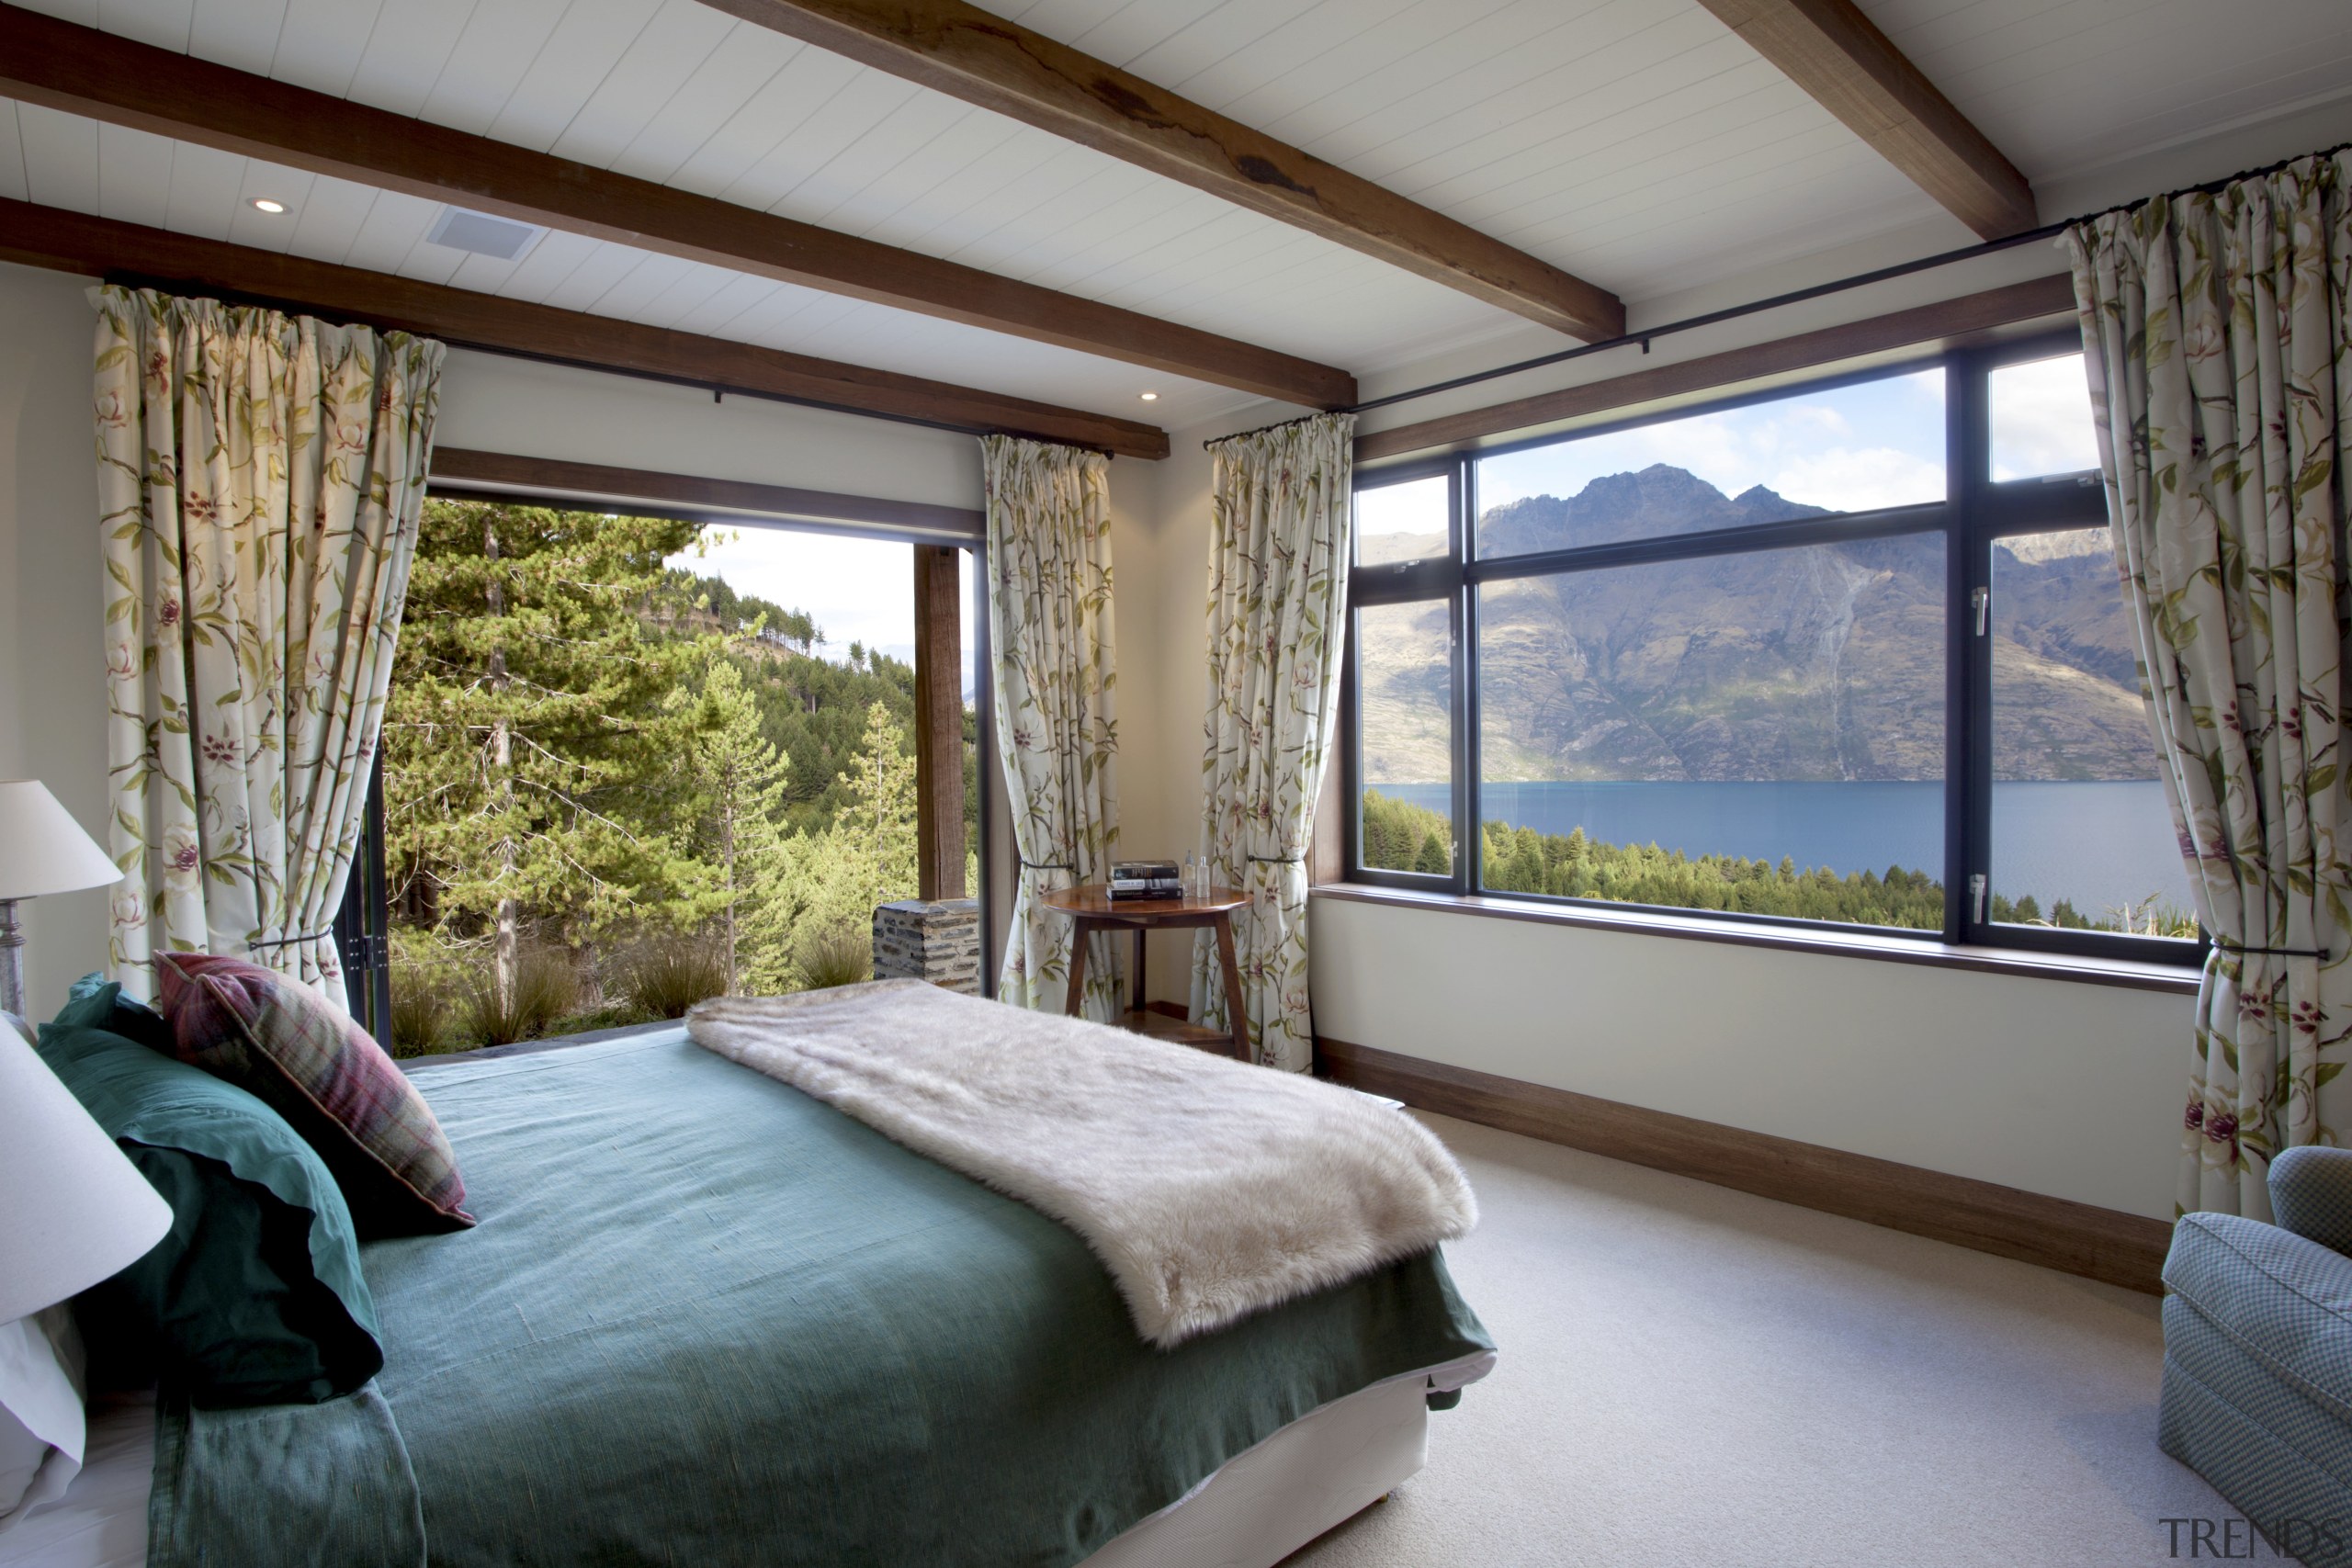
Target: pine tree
[(736, 781), (879, 818), (527, 739), (1433, 860)]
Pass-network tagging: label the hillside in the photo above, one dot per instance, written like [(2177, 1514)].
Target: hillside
[(812, 708), (1818, 662)]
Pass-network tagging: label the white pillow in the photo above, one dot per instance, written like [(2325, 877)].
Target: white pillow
[(41, 1423)]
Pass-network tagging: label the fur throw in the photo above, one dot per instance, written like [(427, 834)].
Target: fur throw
[(1209, 1187)]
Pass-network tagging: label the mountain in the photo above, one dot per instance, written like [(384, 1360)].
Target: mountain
[(1822, 662)]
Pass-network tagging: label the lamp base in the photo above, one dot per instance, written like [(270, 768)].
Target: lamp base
[(12, 960)]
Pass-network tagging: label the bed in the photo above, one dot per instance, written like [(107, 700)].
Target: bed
[(706, 1318)]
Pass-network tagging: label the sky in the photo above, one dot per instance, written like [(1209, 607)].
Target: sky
[(858, 591), (1848, 448)]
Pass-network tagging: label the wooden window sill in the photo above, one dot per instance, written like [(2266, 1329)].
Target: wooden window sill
[(2179, 980)]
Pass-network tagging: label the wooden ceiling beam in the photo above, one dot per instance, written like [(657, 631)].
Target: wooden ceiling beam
[(75, 242), (1840, 57), (966, 52), (82, 71)]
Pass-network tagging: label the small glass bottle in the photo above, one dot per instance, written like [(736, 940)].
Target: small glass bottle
[(1191, 877)]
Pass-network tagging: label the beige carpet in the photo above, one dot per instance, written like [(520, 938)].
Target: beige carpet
[(1692, 1375)]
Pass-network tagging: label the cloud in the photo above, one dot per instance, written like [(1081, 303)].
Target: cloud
[(2042, 419), (1851, 480)]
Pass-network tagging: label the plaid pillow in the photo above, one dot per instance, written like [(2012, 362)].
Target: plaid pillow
[(314, 1066)]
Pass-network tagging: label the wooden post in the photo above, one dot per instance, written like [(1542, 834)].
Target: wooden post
[(939, 724)]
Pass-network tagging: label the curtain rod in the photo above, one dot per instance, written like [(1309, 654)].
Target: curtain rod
[(1795, 297)]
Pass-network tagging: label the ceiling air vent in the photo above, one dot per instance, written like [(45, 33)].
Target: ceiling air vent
[(502, 239)]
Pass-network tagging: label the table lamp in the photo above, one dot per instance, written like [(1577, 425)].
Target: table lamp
[(42, 849), (73, 1209)]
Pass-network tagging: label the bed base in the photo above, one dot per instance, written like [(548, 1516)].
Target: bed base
[(1312, 1475), (1254, 1511)]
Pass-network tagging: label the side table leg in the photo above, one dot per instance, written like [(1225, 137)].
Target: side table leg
[(1078, 934), (1236, 1012)]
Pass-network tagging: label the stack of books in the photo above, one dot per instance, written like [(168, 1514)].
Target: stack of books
[(1146, 879)]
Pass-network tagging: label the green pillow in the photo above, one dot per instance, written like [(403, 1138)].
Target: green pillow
[(97, 1002), (255, 1295)]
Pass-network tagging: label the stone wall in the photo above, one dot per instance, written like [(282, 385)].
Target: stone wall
[(938, 941)]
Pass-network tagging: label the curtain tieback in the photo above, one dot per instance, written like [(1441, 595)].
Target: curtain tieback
[(1047, 865), (2318, 953), (1274, 859), (290, 940)]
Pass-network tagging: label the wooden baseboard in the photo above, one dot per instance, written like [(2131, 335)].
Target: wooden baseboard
[(2056, 1233)]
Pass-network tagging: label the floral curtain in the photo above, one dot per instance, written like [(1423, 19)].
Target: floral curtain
[(2215, 327), (1050, 626), (1281, 523), (260, 478)]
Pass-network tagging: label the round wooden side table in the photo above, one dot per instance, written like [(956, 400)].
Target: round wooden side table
[(1092, 909)]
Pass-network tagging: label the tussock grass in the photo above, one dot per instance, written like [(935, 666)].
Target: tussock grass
[(842, 956), (665, 979), (546, 988)]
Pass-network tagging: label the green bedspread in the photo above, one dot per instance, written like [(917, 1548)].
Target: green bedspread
[(705, 1320)]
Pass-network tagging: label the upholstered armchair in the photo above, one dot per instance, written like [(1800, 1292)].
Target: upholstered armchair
[(2257, 1387)]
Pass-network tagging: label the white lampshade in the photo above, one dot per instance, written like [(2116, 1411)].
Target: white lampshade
[(73, 1209), (43, 850)]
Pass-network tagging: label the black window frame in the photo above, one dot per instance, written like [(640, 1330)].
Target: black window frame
[(1976, 513)]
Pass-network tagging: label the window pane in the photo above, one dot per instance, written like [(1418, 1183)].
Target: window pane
[(2082, 838), (1760, 733), (2042, 419), (1402, 522), (1405, 736), (1846, 449)]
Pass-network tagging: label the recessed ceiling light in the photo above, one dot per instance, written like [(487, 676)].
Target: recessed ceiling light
[(1151, 397), (266, 204)]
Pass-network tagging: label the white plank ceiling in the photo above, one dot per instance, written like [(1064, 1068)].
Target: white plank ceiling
[(1636, 143)]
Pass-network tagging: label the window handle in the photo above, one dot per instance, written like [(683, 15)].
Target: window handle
[(1983, 600), (1976, 889)]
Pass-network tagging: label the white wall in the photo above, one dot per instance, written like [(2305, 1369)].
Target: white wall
[(520, 406), (2052, 1086), (52, 692), (53, 683), (1160, 554)]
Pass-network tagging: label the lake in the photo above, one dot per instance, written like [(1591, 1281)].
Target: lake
[(2103, 845)]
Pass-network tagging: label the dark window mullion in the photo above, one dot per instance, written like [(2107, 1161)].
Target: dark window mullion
[(2030, 506), (1468, 744), (1842, 528), (1402, 584), (1970, 783), (1350, 753)]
